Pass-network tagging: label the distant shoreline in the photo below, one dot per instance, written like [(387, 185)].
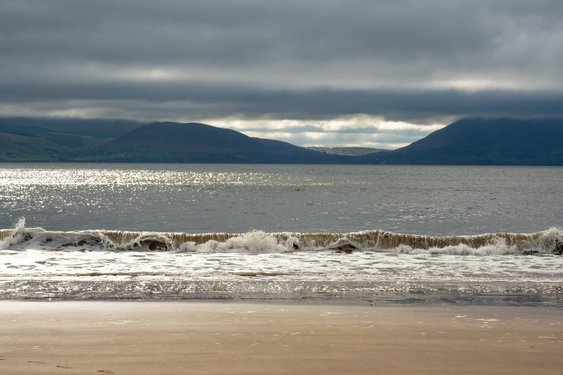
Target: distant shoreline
[(470, 141), (58, 162)]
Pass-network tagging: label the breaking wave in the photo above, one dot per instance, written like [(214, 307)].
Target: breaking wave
[(20, 237)]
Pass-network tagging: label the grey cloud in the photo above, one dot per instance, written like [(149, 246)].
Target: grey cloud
[(212, 101), (296, 59), (398, 42)]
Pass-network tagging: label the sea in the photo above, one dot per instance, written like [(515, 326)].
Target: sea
[(314, 233)]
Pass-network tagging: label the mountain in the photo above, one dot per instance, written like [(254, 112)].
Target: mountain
[(469, 141), (349, 151), (198, 143), (35, 139), (482, 141)]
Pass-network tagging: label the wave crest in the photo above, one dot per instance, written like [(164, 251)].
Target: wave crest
[(549, 241)]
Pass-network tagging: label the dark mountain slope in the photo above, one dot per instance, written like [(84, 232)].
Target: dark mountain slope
[(195, 142), (19, 147), (295, 154), (486, 141), (469, 141), (36, 139), (174, 137)]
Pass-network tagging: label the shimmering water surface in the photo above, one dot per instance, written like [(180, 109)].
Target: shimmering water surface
[(214, 198), (70, 245)]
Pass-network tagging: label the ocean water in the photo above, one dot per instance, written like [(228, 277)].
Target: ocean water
[(368, 234)]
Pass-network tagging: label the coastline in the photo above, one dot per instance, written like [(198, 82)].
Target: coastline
[(101, 337)]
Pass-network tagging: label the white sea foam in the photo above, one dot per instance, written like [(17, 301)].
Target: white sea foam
[(252, 242), (549, 241), (323, 255), (36, 263)]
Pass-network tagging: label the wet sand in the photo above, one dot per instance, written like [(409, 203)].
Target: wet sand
[(271, 338)]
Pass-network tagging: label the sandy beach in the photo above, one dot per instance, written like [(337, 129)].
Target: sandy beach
[(271, 338)]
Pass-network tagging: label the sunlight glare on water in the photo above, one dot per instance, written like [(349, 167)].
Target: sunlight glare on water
[(195, 198)]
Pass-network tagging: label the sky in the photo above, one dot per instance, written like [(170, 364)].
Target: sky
[(379, 73)]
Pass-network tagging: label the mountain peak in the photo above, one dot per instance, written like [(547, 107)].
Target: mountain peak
[(173, 137), (201, 143), (478, 141), (489, 141)]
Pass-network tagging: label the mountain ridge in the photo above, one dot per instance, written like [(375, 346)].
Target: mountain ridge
[(469, 141), (198, 143), (37, 139), (487, 141)]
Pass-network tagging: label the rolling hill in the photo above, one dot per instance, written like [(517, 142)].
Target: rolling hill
[(472, 141), (35, 139), (482, 141), (198, 143)]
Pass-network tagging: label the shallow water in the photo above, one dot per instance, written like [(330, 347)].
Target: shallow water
[(323, 233)]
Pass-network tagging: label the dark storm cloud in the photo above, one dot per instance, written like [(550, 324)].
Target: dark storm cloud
[(229, 31), (207, 101), (306, 59)]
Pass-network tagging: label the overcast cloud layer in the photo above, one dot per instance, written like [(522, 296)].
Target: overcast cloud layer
[(355, 72)]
